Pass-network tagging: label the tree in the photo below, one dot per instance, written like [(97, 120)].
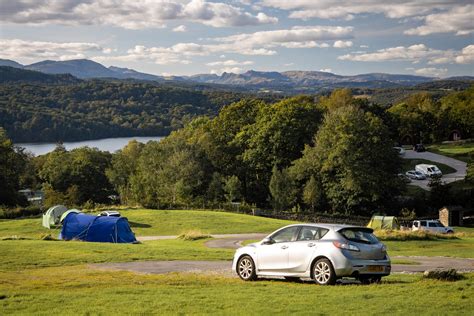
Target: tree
[(215, 191), (171, 172), (277, 138), (77, 175), (283, 193), (313, 193), (12, 164), (232, 188), (123, 166), (354, 159)]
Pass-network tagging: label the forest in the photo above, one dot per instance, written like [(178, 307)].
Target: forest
[(331, 154), (95, 109)]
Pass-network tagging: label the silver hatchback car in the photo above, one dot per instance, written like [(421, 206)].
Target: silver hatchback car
[(323, 252)]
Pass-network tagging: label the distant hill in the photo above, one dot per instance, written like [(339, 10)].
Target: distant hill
[(80, 68), (13, 75), (10, 63), (288, 82), (313, 80)]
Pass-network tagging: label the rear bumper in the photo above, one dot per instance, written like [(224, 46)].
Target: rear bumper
[(354, 267)]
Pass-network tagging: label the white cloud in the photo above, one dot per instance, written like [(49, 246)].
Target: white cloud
[(415, 54), (230, 62), (36, 50), (342, 44), (466, 56), (262, 43), (431, 72), (131, 14), (235, 70), (458, 20), (180, 28), (344, 9)]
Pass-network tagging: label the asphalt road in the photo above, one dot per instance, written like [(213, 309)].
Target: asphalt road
[(234, 241), (460, 166), (224, 267)]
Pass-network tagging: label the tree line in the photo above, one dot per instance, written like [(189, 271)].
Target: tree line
[(333, 154)]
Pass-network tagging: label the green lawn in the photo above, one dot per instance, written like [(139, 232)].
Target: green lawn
[(81, 291), (30, 254), (162, 222), (409, 164), (461, 151)]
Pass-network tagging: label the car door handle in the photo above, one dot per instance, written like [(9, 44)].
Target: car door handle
[(284, 247), (311, 244)]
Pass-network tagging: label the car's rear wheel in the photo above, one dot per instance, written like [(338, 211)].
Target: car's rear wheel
[(323, 272), (246, 269)]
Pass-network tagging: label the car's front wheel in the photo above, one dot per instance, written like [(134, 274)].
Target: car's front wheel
[(323, 272), (246, 269)]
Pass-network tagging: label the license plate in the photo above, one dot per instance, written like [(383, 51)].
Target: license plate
[(375, 268)]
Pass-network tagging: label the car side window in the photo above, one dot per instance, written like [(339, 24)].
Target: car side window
[(432, 224), (415, 224), (285, 235), (423, 223), (311, 233)]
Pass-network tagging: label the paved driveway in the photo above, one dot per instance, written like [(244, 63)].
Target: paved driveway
[(460, 166), (224, 267)]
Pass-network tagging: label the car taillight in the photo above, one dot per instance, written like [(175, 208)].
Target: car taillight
[(347, 246)]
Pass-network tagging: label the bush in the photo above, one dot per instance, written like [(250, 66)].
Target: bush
[(400, 235), (10, 213), (443, 275), (194, 234)]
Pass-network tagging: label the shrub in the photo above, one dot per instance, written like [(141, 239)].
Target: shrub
[(194, 234), (9, 213), (400, 235), (443, 274)]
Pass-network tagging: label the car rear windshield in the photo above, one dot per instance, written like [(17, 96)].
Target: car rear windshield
[(359, 234)]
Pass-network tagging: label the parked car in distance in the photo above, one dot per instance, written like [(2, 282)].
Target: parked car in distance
[(415, 175), (322, 252), (110, 213), (404, 178), (419, 148), (400, 150), (428, 170), (434, 226)]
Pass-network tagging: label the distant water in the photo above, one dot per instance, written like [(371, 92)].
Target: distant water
[(104, 144)]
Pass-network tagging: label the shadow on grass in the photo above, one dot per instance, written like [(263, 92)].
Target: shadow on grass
[(340, 282), (139, 225)]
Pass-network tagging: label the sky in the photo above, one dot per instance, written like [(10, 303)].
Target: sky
[(184, 37)]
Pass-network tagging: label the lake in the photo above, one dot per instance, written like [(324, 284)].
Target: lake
[(104, 144)]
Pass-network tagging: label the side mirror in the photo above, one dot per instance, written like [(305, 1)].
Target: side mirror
[(268, 241)]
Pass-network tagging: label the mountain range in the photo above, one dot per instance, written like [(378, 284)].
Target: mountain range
[(288, 81)]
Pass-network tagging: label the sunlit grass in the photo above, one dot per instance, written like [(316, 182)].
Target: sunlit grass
[(78, 290)]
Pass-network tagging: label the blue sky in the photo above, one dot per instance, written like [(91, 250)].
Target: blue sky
[(184, 37)]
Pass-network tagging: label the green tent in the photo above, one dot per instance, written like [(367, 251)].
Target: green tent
[(52, 215), (383, 222)]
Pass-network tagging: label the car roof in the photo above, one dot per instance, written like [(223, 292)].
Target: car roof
[(335, 227)]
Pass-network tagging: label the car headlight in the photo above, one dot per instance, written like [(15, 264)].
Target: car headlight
[(344, 245)]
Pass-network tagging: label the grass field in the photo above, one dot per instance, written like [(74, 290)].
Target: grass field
[(51, 277), (409, 164), (81, 291), (461, 151), (162, 222)]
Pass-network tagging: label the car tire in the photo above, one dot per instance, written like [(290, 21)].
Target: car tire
[(292, 279), (246, 268), (323, 272), (449, 232)]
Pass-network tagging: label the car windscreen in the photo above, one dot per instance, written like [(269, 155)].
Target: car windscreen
[(359, 234)]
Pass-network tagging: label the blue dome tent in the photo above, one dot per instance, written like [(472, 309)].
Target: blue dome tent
[(96, 228)]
